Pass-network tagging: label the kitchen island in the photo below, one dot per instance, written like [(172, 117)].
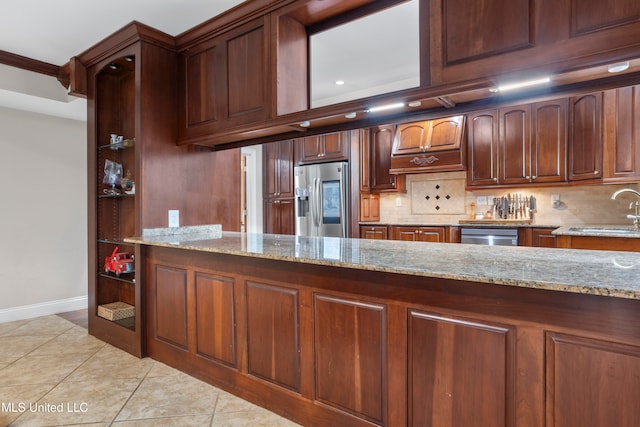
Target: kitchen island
[(363, 332)]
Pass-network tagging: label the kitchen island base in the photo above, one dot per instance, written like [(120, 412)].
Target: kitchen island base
[(328, 345)]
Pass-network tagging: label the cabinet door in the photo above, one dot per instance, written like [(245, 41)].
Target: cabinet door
[(585, 140), (225, 81), (279, 216), (323, 148), (374, 233), (445, 133), (419, 234), (460, 372), (410, 138), (549, 141), (542, 238), (515, 145), (278, 169), (369, 207), (621, 133), (591, 383), (273, 343), (350, 342), (381, 144), (482, 148)]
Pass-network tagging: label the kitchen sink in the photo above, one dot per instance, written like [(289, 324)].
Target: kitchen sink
[(605, 230)]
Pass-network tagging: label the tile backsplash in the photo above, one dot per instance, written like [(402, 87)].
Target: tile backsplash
[(441, 198)]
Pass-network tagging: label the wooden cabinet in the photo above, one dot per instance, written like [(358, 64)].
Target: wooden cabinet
[(226, 81), (537, 237), (585, 146), (131, 92), (327, 345), (418, 234), (377, 232), (347, 347), (278, 187), (472, 40), (518, 145), (621, 134), (482, 146), (459, 370), (599, 243), (433, 145), (323, 148), (380, 140), (279, 216), (278, 169), (369, 207), (579, 388)]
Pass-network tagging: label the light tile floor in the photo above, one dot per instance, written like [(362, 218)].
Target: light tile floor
[(52, 373)]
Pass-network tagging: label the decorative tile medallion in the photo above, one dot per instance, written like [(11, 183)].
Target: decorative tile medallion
[(442, 196)]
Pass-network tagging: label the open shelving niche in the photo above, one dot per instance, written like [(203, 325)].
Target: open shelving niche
[(115, 213)]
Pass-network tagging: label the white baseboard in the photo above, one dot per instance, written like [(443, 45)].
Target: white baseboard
[(43, 309)]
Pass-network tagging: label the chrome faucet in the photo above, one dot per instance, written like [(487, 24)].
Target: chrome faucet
[(636, 217)]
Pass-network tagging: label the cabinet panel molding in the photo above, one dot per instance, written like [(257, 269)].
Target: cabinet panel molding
[(171, 305), (215, 318), (272, 334), (350, 344), (580, 374), (460, 371)]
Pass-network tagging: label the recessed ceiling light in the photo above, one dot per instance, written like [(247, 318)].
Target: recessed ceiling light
[(619, 67), (351, 115), (339, 82), (385, 107), (415, 104), (305, 124)]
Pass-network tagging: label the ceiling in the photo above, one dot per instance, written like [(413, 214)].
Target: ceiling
[(55, 31)]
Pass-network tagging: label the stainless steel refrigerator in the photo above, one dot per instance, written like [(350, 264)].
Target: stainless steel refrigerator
[(322, 199)]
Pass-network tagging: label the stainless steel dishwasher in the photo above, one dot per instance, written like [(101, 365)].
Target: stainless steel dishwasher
[(490, 236)]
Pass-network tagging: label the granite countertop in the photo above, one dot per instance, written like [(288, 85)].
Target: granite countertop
[(598, 231), (604, 273), (496, 223)]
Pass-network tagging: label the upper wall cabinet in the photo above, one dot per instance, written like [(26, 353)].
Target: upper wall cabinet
[(225, 81), (482, 40), (621, 133)]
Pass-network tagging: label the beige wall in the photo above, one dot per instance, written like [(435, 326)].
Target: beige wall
[(589, 204), (43, 219)]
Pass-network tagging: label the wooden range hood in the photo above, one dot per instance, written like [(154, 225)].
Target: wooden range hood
[(429, 146)]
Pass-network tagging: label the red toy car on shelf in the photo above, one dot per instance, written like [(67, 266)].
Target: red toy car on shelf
[(119, 263)]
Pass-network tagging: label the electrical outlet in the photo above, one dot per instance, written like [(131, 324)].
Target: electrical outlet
[(490, 200), (174, 218), (398, 201), (481, 200)]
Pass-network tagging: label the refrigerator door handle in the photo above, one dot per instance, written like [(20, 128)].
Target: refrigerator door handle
[(316, 205), (343, 201)]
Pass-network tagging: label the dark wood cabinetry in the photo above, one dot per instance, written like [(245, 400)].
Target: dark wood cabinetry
[(418, 234), (380, 145), (279, 216), (621, 134), (226, 81), (278, 187), (369, 207), (326, 345), (433, 145), (323, 148), (495, 37), (585, 149), (517, 145), (378, 232), (537, 237), (131, 92), (478, 356)]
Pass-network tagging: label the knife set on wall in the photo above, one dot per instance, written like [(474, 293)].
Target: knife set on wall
[(514, 206)]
